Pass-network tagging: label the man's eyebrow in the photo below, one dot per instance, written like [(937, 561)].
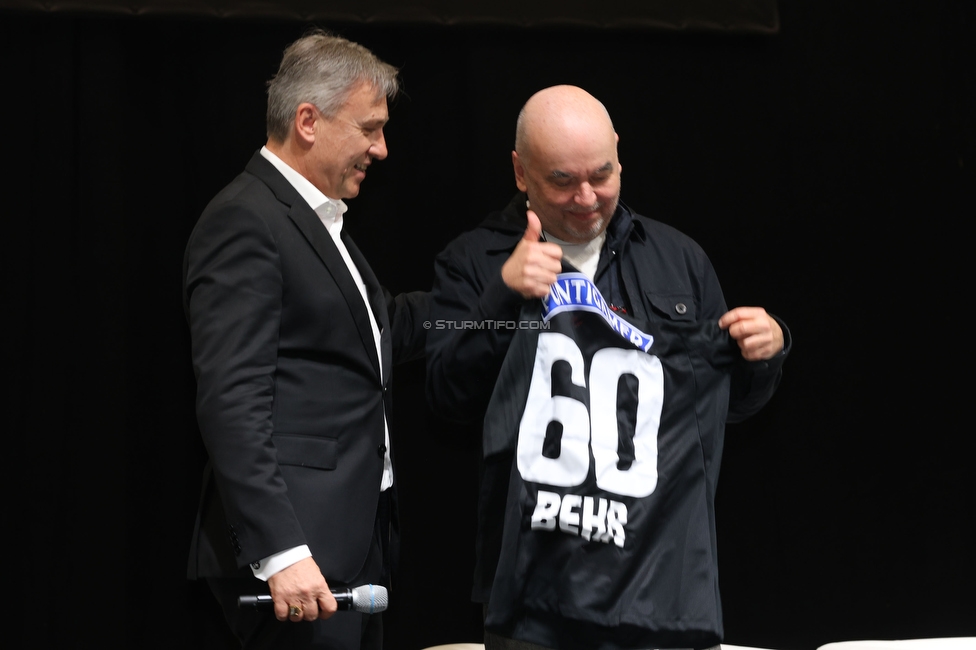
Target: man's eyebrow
[(559, 174)]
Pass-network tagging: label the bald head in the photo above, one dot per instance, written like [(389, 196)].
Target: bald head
[(565, 160), (557, 112)]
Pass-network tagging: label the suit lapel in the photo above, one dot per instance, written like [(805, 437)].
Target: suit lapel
[(377, 301), (321, 241)]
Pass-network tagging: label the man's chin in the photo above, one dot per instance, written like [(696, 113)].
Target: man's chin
[(583, 231)]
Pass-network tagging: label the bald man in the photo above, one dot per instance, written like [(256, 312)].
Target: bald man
[(595, 347)]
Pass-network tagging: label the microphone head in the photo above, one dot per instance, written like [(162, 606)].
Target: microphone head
[(369, 599)]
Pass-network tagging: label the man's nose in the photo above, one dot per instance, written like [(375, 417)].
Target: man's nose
[(586, 196), (378, 149)]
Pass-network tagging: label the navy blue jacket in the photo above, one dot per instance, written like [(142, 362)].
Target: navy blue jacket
[(647, 268)]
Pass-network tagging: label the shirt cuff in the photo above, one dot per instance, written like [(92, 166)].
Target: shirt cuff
[(264, 569)]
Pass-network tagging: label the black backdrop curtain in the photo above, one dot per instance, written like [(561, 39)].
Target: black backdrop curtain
[(826, 169), (731, 16)]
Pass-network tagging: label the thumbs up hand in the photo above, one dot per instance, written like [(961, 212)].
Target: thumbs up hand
[(533, 265)]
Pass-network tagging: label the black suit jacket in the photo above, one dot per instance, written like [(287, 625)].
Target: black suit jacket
[(290, 400)]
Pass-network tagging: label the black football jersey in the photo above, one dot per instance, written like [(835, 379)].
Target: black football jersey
[(615, 430)]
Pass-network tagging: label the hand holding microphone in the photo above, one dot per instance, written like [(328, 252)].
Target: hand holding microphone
[(368, 599)]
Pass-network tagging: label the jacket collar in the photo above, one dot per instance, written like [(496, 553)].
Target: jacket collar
[(512, 220)]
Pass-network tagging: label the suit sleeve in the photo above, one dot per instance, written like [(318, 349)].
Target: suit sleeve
[(463, 362), (409, 317), (233, 298)]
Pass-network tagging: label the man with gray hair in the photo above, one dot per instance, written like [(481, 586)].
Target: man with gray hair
[(293, 341), (595, 347)]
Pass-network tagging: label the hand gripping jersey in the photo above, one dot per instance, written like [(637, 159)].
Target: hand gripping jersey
[(616, 435)]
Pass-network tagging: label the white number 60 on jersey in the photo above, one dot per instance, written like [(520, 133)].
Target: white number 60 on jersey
[(598, 426)]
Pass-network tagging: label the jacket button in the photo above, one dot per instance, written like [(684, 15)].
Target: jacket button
[(681, 308), (381, 451)]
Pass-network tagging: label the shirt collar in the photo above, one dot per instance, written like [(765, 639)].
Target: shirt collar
[(329, 211)]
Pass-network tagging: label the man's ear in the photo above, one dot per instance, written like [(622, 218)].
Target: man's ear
[(616, 139), (306, 116), (519, 172)]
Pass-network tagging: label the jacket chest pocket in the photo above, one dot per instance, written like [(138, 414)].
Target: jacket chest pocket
[(306, 451), (678, 307)]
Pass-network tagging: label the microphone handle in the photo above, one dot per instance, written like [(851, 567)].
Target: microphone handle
[(263, 601), (343, 599)]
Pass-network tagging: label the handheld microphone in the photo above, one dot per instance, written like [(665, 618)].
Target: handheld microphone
[(367, 599)]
